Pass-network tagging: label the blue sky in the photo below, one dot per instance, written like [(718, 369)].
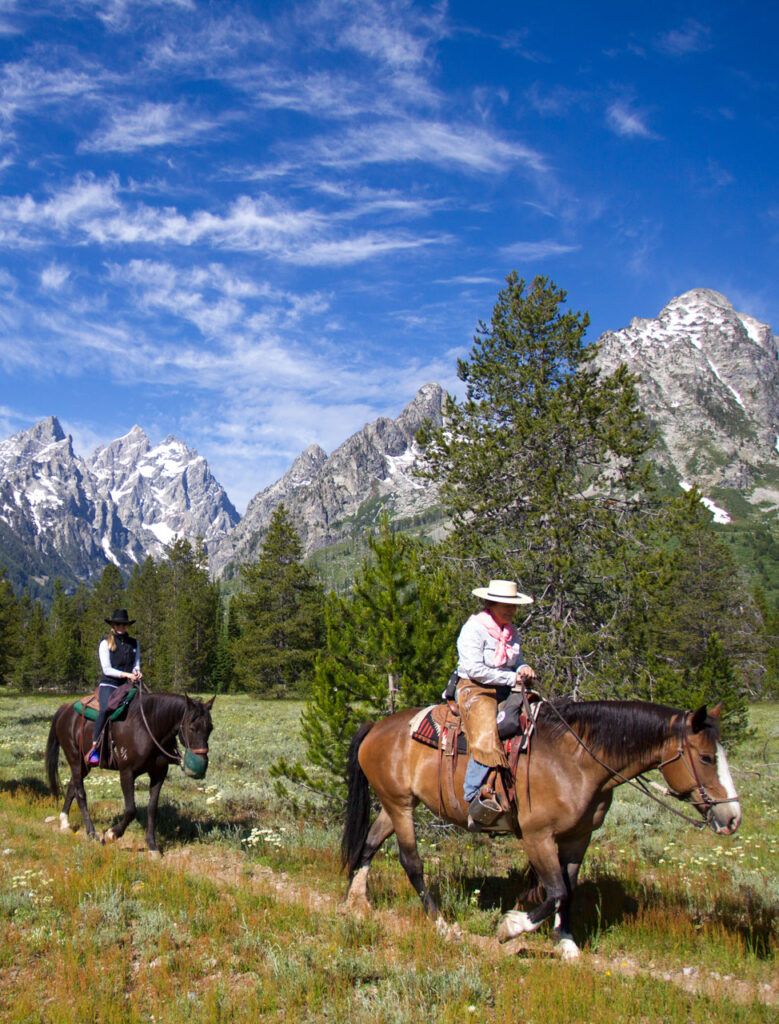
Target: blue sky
[(258, 226)]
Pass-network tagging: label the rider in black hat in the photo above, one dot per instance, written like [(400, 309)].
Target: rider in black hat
[(120, 658)]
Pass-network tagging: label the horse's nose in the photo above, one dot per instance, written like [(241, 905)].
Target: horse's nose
[(727, 825)]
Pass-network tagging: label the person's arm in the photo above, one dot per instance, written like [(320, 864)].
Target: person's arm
[(105, 662), (471, 645)]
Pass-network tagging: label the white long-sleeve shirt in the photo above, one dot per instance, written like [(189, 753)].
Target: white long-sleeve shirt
[(476, 654), (104, 653)]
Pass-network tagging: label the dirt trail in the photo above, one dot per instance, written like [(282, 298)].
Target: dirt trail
[(224, 868)]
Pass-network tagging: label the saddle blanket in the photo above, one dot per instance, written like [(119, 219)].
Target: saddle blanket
[(425, 727), (88, 706)]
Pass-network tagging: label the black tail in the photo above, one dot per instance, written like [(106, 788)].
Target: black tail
[(358, 804), (53, 756)]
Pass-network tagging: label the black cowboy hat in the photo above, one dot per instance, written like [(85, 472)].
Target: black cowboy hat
[(120, 617)]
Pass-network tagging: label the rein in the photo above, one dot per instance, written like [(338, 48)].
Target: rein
[(175, 757), (642, 786)]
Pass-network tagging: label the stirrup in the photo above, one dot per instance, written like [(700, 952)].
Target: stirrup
[(484, 810)]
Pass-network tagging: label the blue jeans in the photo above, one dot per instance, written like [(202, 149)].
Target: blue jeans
[(475, 774)]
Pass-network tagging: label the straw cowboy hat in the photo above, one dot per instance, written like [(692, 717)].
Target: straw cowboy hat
[(120, 617), (502, 592)]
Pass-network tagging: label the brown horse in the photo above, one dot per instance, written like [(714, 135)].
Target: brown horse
[(145, 744), (580, 752)]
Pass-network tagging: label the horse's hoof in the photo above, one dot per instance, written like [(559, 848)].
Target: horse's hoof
[(516, 922), (109, 836), (155, 855), (358, 907), (567, 949), (64, 823)]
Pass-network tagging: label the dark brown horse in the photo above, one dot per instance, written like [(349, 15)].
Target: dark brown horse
[(580, 752), (144, 743)]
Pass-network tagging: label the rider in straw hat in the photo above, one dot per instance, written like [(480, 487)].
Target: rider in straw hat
[(490, 664), (120, 659)]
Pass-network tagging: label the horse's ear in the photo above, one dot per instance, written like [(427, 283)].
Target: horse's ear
[(716, 711), (697, 719), (210, 703)]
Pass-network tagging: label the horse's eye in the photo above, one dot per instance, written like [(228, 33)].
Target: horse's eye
[(708, 759)]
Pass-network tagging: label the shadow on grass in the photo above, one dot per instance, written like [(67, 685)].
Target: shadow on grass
[(30, 786), (601, 903)]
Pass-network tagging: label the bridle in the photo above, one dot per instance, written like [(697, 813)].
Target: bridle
[(684, 754), (175, 757), (642, 785)]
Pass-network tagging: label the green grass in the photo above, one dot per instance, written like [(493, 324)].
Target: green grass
[(241, 920)]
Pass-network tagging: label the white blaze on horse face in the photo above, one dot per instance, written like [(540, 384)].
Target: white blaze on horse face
[(731, 810)]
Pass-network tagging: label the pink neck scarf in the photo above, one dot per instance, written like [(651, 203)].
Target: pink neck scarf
[(503, 634)]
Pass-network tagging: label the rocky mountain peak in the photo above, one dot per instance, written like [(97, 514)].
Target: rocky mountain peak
[(331, 497), (710, 383)]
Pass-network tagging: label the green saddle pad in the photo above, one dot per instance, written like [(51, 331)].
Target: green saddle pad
[(121, 711)]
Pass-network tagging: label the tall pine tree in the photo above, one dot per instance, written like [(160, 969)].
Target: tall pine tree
[(31, 670), (541, 468), (10, 629), (279, 613), (390, 645)]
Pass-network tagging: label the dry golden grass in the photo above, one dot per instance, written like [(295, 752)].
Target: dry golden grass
[(241, 919)]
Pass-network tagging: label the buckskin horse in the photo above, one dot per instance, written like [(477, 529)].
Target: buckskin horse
[(579, 753), (145, 742)]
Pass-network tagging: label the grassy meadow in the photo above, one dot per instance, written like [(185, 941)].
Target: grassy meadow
[(241, 919)]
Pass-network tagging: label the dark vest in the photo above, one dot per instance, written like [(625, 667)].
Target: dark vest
[(122, 658)]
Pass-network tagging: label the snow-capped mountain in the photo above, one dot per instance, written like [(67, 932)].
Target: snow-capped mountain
[(710, 384), (162, 492), (65, 517), (709, 381), (329, 497), (54, 520)]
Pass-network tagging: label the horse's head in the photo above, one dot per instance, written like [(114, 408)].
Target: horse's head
[(196, 727), (699, 772)]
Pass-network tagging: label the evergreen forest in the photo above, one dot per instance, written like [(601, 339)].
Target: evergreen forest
[(544, 477)]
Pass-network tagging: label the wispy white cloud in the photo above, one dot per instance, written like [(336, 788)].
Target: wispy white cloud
[(149, 125), (554, 101), (54, 276), (625, 120), (540, 250), (214, 298), (456, 147), (27, 87), (117, 15), (95, 210), (691, 37)]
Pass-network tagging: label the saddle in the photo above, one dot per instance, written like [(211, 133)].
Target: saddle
[(118, 703), (440, 726)]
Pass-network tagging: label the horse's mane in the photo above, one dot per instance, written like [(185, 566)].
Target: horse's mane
[(157, 704), (614, 728)]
